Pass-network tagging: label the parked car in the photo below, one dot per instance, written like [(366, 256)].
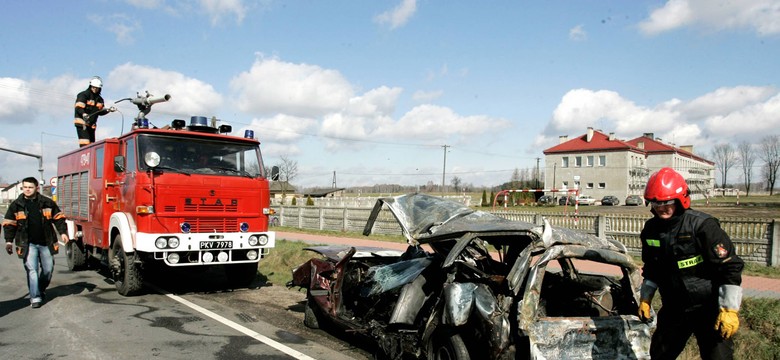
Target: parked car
[(610, 200), (567, 200), (634, 200), (489, 288), (546, 200), (586, 200)]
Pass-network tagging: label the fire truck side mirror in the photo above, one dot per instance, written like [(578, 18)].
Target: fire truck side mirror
[(275, 173), (119, 163)]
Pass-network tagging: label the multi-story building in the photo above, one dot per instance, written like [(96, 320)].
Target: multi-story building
[(598, 164)]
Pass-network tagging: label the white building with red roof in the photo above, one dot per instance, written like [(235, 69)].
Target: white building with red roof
[(599, 164)]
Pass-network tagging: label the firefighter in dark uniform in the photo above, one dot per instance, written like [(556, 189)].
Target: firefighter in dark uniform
[(89, 105), (692, 262)]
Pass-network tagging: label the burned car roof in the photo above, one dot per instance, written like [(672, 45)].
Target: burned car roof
[(337, 252), (425, 218)]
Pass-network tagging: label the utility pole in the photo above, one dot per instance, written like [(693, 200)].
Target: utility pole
[(444, 169)]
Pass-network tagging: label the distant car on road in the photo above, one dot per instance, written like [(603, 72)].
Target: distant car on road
[(586, 200), (570, 200), (547, 200), (634, 200), (610, 200)]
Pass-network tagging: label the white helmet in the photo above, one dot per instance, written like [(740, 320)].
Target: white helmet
[(96, 82)]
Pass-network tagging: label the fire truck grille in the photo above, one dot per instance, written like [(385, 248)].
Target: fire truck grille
[(201, 225), (203, 207)]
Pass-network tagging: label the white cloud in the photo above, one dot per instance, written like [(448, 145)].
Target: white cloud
[(758, 119), (221, 8), (281, 128), (726, 114), (399, 15), (272, 86), (434, 123), (15, 96), (427, 96), (188, 96), (761, 16), (121, 25), (577, 33)]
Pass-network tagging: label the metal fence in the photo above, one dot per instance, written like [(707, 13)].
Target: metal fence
[(756, 240)]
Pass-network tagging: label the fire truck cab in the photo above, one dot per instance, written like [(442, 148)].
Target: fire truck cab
[(182, 195)]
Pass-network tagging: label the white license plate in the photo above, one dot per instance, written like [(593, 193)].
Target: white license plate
[(205, 245)]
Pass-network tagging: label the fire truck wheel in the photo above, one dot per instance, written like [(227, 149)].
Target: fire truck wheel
[(77, 258), (127, 274), (241, 275)]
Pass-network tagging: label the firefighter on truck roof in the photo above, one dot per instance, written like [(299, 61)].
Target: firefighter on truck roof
[(89, 106), (692, 262)]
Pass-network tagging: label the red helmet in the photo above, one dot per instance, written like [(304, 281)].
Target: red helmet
[(667, 184)]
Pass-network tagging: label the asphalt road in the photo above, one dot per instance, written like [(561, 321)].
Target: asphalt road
[(85, 318)]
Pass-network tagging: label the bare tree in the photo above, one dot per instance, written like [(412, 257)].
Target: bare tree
[(516, 178), (288, 170), (770, 153), (725, 159), (747, 157), (456, 181)]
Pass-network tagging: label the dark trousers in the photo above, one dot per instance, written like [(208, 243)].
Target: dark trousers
[(86, 136), (676, 327)]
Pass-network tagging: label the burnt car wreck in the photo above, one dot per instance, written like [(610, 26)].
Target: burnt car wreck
[(487, 288)]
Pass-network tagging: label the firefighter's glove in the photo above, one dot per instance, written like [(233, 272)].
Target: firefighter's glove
[(727, 323), (645, 311), (646, 293), (9, 248)]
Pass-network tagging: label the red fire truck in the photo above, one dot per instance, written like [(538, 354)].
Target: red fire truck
[(176, 196)]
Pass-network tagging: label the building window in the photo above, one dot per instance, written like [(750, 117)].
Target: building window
[(602, 160), (565, 161), (602, 185), (578, 161), (589, 160), (589, 186)]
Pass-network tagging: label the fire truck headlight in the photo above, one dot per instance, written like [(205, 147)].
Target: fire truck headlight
[(253, 240), (244, 227), (173, 242), (207, 257), (185, 227), (263, 240), (173, 258), (152, 159), (161, 243), (251, 254), (222, 256)]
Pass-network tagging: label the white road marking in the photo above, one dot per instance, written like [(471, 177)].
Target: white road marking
[(246, 331)]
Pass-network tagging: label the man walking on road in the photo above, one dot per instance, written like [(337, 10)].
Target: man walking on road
[(691, 260), (29, 223)]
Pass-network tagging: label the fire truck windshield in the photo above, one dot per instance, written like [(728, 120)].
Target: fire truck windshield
[(201, 156)]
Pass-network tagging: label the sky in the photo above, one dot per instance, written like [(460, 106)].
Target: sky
[(405, 92)]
